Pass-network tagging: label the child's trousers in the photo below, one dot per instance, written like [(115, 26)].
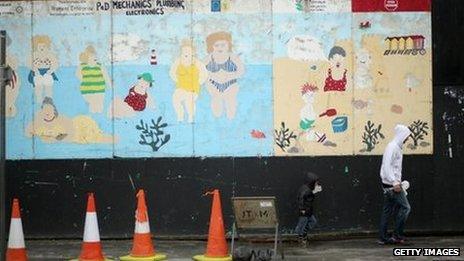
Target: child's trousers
[(305, 224)]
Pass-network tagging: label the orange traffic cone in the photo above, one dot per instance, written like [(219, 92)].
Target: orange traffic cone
[(91, 247), (16, 250), (142, 248), (217, 246)]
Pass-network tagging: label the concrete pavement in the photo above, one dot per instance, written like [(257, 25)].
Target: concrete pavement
[(350, 249)]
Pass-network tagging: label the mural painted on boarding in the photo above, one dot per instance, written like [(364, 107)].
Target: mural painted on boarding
[(212, 78), (313, 85), (393, 76), (238, 88), (341, 88), (64, 80), (191, 85), (15, 17)]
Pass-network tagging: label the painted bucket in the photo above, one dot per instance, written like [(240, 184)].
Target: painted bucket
[(215, 5), (340, 124)]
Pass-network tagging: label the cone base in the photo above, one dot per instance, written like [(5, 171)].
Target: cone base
[(205, 258), (77, 259), (16, 254), (148, 258)]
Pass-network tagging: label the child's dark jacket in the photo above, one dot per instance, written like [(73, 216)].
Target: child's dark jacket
[(306, 195)]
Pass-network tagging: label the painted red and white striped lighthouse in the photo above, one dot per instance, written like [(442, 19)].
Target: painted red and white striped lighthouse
[(153, 58)]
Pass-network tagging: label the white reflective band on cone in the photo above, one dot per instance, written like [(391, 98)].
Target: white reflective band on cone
[(91, 233), (16, 239), (142, 227)]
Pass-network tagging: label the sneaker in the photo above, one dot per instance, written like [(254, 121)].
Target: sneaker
[(390, 241), (302, 242), (401, 241)]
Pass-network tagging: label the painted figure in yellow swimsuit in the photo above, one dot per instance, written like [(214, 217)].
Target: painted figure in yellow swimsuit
[(189, 74)]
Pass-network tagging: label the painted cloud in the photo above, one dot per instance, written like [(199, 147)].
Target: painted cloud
[(305, 48), (128, 47)]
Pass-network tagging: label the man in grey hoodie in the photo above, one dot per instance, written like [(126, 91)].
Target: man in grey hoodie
[(394, 197)]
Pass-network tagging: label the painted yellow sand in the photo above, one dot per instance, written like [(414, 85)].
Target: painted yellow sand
[(398, 90), (289, 76)]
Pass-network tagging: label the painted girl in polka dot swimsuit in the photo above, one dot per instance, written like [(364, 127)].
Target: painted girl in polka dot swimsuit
[(335, 85), (137, 101), (336, 58)]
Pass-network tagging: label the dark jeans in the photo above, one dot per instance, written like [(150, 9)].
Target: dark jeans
[(394, 203), (305, 223)]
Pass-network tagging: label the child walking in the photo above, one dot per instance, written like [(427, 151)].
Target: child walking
[(306, 194)]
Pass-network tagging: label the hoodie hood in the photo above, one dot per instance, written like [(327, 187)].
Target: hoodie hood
[(401, 133), (311, 179)]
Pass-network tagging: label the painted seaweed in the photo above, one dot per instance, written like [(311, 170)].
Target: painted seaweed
[(371, 136), (283, 137), (418, 132), (153, 135)]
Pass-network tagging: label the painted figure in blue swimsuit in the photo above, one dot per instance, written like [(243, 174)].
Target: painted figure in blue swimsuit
[(224, 70), (44, 64)]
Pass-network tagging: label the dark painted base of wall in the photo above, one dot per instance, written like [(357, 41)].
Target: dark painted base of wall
[(53, 192)]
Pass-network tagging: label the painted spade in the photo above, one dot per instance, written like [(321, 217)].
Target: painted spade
[(329, 113)]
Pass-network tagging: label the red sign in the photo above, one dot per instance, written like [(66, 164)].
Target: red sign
[(391, 5)]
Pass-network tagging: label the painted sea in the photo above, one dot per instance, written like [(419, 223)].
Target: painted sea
[(207, 136)]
